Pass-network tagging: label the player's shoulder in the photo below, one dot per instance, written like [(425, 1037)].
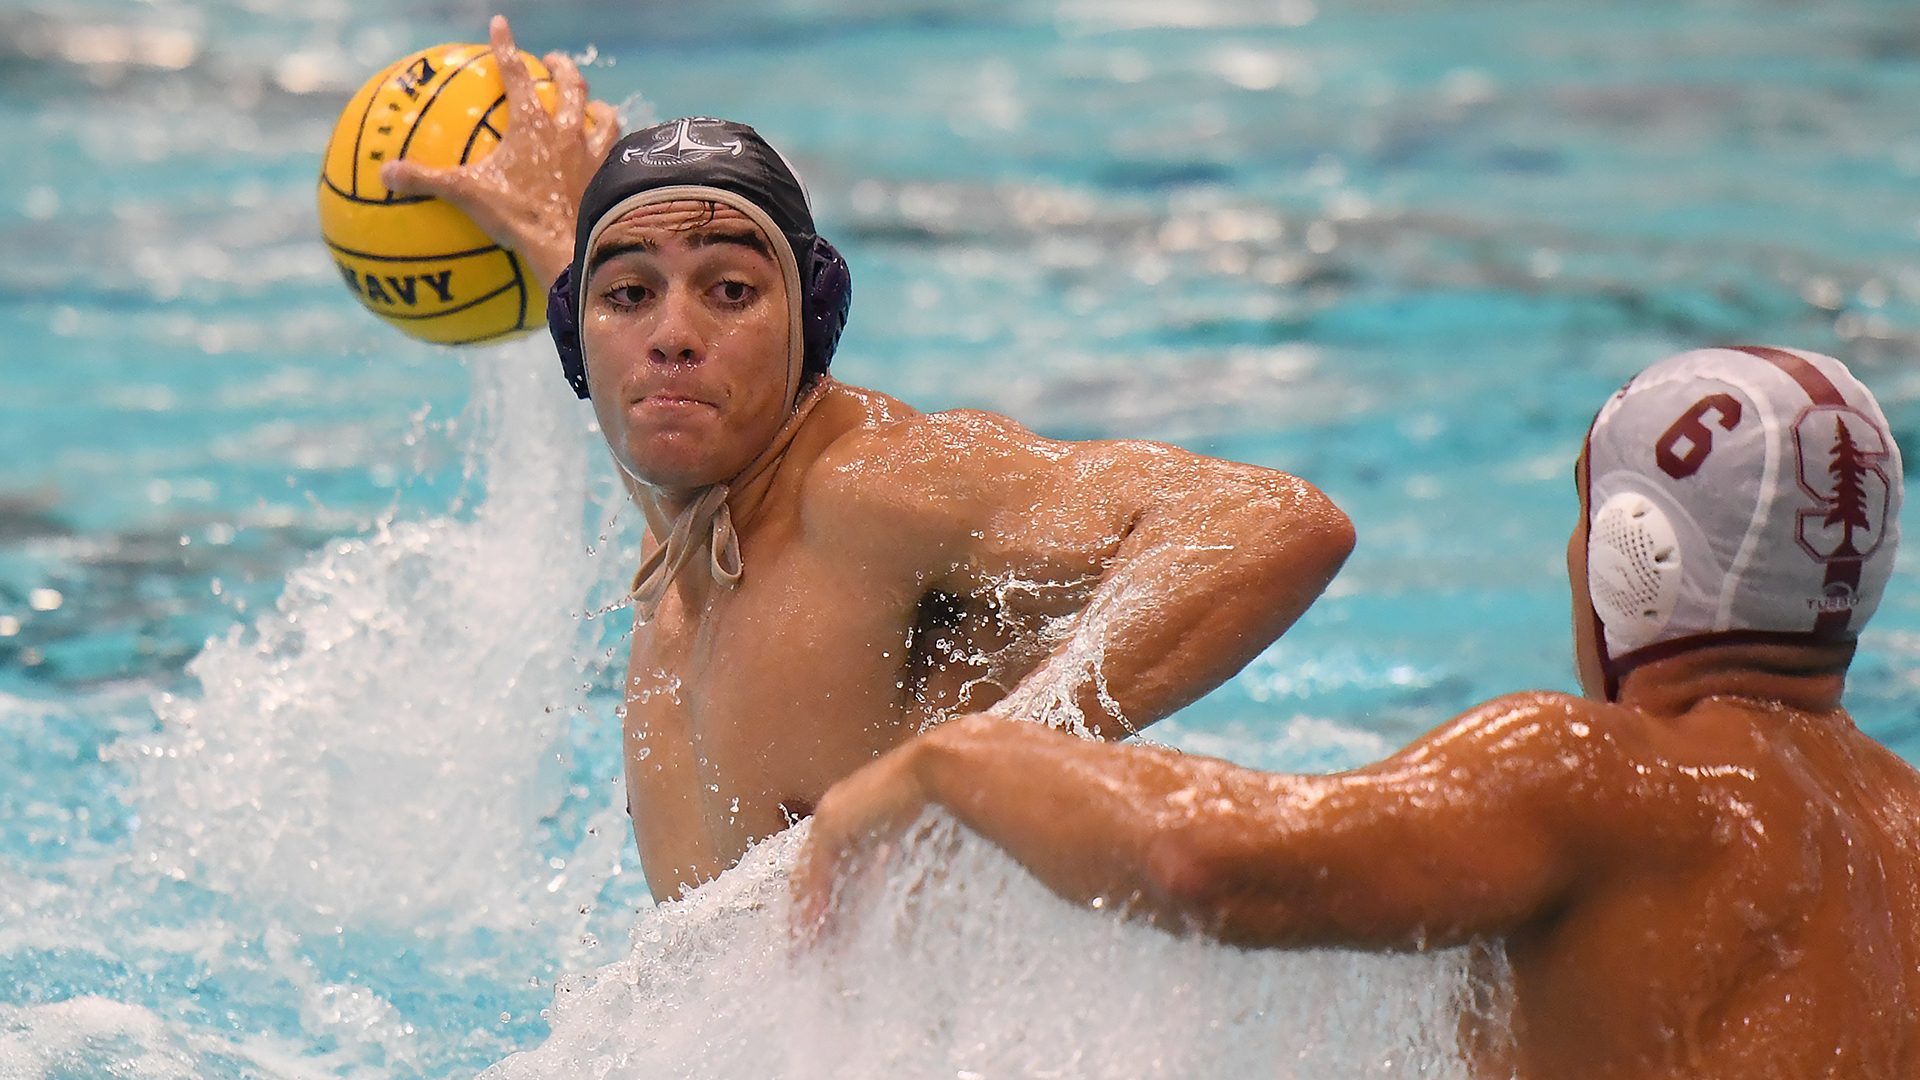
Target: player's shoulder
[(896, 437), (886, 463), (892, 445)]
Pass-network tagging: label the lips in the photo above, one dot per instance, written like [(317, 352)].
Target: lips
[(670, 399)]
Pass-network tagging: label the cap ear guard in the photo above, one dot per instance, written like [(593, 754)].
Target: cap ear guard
[(1633, 569), (563, 322), (829, 288)]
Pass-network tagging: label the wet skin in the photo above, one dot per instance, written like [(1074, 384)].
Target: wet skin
[(900, 568), (1707, 880), (1714, 877)]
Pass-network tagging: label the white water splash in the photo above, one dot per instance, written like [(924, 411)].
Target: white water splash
[(1051, 696), (382, 746), (959, 964), (94, 1037)]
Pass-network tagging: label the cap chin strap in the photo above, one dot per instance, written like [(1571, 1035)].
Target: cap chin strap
[(668, 559), (1609, 674), (707, 521)]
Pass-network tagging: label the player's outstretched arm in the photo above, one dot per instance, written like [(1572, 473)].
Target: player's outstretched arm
[(526, 193), (1482, 826), (1159, 572)]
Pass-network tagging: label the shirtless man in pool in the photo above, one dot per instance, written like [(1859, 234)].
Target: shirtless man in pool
[(1701, 869), (828, 570)]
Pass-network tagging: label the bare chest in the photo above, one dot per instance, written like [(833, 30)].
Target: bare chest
[(745, 705), (770, 691)]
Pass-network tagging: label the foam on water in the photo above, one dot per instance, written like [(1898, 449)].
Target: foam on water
[(84, 1038), (956, 963), (351, 833), (349, 850), (384, 744)]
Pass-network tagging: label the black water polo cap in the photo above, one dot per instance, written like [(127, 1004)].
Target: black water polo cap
[(697, 151), (698, 157)]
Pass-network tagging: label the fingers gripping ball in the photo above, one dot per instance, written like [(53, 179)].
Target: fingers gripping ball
[(414, 260)]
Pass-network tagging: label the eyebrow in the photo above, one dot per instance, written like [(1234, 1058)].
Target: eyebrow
[(746, 238)]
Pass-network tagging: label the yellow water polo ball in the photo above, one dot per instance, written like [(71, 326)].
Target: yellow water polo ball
[(416, 261)]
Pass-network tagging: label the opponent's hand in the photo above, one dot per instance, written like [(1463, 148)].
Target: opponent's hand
[(855, 827), (526, 193)]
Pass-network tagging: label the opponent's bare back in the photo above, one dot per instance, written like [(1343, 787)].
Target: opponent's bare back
[(1716, 877), (1749, 909)]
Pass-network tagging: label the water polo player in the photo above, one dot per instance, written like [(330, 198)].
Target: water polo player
[(829, 571), (1701, 869)]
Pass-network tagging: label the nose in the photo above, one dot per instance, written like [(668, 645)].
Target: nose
[(676, 337)]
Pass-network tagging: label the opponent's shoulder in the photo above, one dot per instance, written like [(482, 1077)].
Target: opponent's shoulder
[(1594, 774), (1543, 731), (1543, 710)]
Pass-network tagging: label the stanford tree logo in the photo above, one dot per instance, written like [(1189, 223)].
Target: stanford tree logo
[(1841, 466)]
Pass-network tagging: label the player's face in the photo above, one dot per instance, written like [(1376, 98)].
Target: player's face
[(685, 327), (1586, 647)]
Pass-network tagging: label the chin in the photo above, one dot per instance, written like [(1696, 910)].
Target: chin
[(673, 476), (672, 468)]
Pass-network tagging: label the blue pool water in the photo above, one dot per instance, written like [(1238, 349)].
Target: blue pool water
[(1400, 249)]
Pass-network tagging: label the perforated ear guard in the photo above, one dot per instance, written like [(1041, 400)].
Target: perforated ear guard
[(1634, 566), (827, 282), (564, 324), (829, 288)]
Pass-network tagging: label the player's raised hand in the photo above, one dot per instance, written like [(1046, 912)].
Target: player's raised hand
[(526, 193)]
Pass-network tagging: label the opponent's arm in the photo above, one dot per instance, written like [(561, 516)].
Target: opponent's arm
[(1166, 571), (1482, 826), (526, 193)]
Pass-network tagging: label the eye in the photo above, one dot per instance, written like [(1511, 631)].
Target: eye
[(733, 293), (626, 296)]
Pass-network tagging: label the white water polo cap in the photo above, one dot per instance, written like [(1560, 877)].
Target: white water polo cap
[(1742, 493)]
